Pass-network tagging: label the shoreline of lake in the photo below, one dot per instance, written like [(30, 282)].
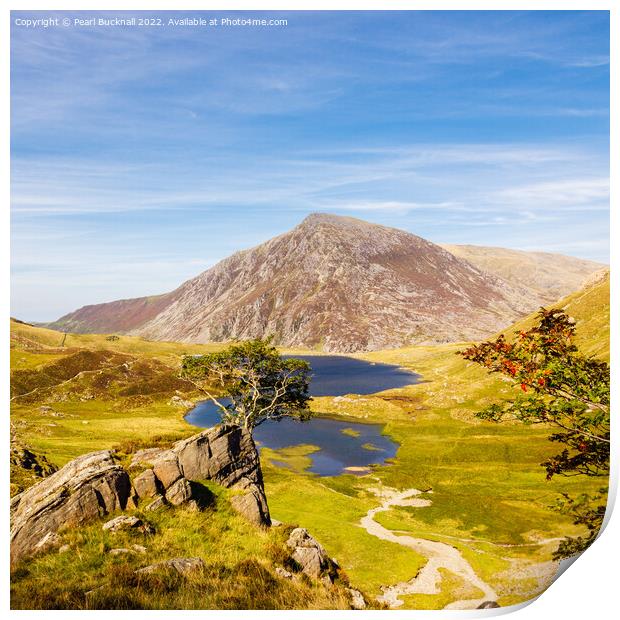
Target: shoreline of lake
[(366, 443)]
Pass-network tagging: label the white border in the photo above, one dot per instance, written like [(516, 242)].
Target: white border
[(588, 588)]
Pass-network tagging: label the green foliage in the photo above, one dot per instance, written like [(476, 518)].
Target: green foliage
[(260, 383), (565, 389)]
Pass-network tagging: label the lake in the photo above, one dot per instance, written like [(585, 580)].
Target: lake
[(342, 444)]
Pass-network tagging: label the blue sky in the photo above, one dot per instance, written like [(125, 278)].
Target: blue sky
[(142, 156)]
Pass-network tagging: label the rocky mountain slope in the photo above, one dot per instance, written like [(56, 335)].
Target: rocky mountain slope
[(334, 283), (115, 316), (548, 276)]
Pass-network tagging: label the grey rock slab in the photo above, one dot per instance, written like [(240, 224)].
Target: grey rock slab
[(309, 559), (166, 468), (124, 522), (128, 522), (86, 488), (156, 504), (179, 493), (357, 599), (146, 484)]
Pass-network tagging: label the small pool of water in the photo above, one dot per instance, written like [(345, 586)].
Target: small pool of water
[(342, 444)]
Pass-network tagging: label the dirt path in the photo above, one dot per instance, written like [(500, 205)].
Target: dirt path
[(440, 555)]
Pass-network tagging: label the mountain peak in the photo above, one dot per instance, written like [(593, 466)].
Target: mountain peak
[(333, 282), (316, 219)]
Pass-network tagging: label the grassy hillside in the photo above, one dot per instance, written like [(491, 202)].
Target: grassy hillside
[(589, 306), (28, 337), (489, 497), (549, 276), (92, 392), (239, 574)]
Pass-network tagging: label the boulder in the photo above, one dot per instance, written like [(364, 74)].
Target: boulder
[(308, 553), (488, 605), (309, 560), (156, 504), (179, 493), (127, 522), (357, 599), (166, 468), (183, 566), (146, 484), (177, 401), (87, 487), (225, 454), (252, 504)]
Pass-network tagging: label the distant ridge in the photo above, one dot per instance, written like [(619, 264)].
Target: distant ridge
[(333, 283), (550, 276)]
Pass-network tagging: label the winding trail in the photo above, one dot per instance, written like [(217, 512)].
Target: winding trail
[(440, 555)]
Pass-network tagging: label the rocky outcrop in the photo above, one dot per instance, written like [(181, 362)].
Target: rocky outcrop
[(228, 456), (177, 401), (25, 458), (88, 487), (27, 466), (95, 484), (225, 454), (158, 503), (128, 522)]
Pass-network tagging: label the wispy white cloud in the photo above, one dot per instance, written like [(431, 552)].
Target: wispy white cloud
[(399, 178), (588, 193), (588, 62)]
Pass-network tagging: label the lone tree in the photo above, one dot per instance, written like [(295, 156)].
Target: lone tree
[(260, 383), (567, 390)]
